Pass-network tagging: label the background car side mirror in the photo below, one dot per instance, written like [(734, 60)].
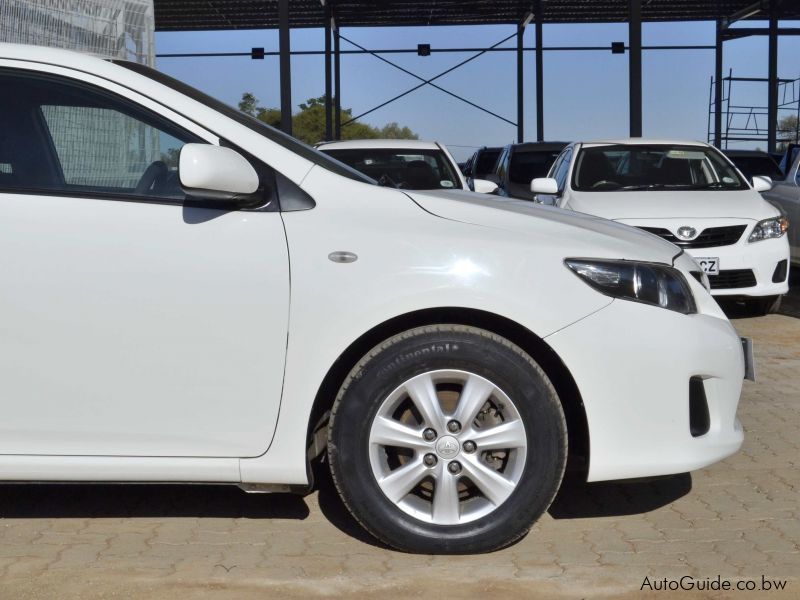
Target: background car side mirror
[(484, 186), (209, 172), (544, 185), (762, 183)]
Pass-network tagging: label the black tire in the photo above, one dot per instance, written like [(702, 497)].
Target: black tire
[(768, 305), (431, 348)]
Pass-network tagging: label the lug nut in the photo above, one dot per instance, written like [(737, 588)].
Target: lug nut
[(454, 427), (429, 435), (469, 446), (454, 467), (429, 460)]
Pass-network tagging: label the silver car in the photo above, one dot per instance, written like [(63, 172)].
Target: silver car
[(785, 195)]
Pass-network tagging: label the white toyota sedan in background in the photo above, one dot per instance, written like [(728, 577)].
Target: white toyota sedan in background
[(406, 164), (189, 295), (688, 193)]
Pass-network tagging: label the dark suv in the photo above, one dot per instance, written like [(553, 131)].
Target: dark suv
[(755, 162), (518, 164), (481, 163)]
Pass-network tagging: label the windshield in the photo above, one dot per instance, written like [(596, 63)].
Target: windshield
[(406, 169), (279, 137), (653, 167), (526, 166), (757, 165), (485, 163)]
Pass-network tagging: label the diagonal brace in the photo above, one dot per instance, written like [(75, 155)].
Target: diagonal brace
[(430, 81)]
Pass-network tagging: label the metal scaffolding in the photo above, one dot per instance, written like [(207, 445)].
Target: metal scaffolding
[(750, 123), (772, 10), (107, 28)]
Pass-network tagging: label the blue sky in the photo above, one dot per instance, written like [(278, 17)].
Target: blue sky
[(586, 93)]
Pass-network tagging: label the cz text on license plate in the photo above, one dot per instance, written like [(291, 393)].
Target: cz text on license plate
[(709, 264)]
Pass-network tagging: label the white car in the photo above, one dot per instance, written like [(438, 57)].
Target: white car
[(192, 296), (405, 164), (688, 193)]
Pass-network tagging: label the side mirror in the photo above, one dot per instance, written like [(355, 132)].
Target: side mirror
[(216, 173), (544, 185), (762, 183), (484, 186)]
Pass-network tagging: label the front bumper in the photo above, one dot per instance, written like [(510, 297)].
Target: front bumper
[(747, 268), (761, 258), (633, 364)]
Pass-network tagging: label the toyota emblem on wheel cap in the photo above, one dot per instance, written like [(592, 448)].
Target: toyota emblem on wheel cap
[(447, 446), (687, 232)]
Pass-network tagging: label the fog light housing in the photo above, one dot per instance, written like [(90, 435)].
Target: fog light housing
[(781, 270), (699, 419)]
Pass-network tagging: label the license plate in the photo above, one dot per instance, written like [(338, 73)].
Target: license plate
[(710, 265)]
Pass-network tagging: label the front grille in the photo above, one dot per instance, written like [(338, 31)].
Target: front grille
[(709, 238), (733, 278)]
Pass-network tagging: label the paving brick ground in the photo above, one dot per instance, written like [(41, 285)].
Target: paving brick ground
[(737, 519)]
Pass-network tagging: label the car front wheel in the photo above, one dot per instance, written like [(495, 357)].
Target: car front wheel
[(447, 439)]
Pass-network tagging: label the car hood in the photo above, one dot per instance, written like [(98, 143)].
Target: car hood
[(578, 235), (667, 204)]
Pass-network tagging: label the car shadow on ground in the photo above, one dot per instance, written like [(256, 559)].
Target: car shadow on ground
[(53, 501), (581, 500), (124, 501), (575, 500), (333, 508)]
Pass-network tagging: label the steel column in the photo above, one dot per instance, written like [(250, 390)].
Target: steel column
[(328, 84), (718, 91), (635, 66), (772, 78), (520, 85), (284, 45), (337, 81), (539, 71)]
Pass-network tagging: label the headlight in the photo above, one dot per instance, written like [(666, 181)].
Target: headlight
[(649, 283), (769, 228)]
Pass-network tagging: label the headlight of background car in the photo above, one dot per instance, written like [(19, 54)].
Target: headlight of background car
[(769, 228), (649, 283)]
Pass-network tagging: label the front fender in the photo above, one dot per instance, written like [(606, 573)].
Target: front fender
[(407, 260)]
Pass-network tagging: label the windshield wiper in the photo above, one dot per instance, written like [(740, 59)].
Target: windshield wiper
[(644, 186), (675, 186), (713, 185)]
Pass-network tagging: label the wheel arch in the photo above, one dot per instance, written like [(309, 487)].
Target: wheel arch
[(568, 392)]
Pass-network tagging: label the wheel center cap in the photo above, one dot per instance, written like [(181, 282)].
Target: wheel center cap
[(447, 447)]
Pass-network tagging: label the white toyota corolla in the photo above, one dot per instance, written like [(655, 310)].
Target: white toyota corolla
[(406, 164), (192, 296), (688, 193)]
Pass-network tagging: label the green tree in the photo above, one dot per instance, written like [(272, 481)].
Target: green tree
[(248, 104), (393, 131), (308, 124)]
